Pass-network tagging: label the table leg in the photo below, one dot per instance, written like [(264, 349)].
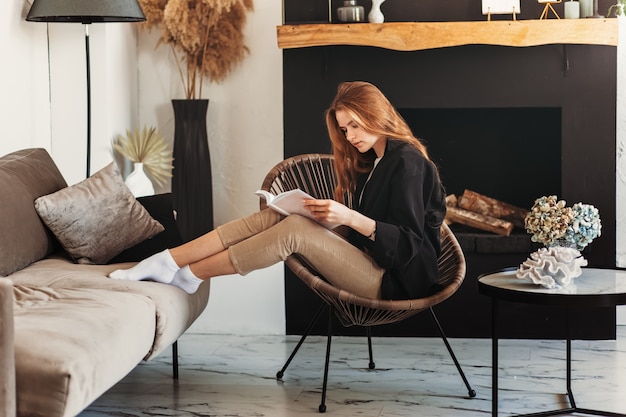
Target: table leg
[(568, 372), (494, 357), (573, 408)]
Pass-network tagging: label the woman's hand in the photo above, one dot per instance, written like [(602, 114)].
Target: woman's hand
[(334, 212), (329, 211)]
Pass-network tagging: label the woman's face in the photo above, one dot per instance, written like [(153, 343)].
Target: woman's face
[(357, 136)]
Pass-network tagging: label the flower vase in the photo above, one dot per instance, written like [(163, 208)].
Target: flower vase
[(192, 190), (138, 182), (376, 15)]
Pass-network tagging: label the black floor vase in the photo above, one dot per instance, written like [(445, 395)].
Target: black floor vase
[(192, 189)]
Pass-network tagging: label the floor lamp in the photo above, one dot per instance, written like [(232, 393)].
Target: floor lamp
[(86, 12)]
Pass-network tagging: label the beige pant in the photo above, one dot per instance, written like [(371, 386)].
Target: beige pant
[(266, 238)]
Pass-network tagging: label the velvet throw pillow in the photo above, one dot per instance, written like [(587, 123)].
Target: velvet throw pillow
[(97, 218)]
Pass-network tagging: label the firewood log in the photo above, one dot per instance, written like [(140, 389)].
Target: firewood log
[(488, 206), (478, 221)]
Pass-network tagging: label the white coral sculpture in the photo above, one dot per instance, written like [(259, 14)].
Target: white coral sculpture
[(552, 267)]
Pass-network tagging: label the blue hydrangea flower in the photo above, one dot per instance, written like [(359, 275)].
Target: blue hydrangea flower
[(585, 227)]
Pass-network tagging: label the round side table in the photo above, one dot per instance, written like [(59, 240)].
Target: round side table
[(594, 288)]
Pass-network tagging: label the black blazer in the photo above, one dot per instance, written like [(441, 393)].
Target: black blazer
[(407, 200)]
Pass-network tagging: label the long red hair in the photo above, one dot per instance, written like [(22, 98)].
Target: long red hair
[(373, 112)]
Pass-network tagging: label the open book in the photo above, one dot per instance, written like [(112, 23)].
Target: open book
[(290, 202)]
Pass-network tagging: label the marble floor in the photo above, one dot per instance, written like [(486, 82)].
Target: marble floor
[(235, 376)]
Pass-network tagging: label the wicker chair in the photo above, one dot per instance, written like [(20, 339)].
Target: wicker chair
[(314, 173)]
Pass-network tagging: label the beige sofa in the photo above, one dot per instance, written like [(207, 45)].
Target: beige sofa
[(68, 332)]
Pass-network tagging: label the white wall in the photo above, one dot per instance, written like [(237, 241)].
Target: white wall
[(24, 106), (44, 93), (113, 65)]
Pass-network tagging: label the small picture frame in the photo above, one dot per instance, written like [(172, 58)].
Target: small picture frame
[(511, 7), (549, 8)]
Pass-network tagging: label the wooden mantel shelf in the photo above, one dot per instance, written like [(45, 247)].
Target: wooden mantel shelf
[(414, 36)]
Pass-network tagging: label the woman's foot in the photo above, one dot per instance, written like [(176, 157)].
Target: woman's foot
[(186, 280), (159, 267)]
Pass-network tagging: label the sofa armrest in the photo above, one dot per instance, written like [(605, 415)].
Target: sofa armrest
[(7, 356)]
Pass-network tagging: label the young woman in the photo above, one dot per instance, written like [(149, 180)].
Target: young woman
[(391, 246)]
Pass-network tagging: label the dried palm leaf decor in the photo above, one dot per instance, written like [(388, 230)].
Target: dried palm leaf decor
[(206, 36), (148, 147)]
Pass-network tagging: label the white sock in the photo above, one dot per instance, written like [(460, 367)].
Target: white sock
[(159, 267), (186, 280)]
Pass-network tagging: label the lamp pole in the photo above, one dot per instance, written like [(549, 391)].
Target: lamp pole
[(88, 69), (86, 12)]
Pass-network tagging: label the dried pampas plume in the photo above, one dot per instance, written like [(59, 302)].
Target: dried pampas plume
[(208, 35)]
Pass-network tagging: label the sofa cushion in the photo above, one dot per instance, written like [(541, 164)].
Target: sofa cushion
[(175, 309), (71, 345), (97, 218), (24, 176)]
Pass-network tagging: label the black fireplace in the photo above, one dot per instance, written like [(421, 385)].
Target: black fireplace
[(510, 123), (511, 154)]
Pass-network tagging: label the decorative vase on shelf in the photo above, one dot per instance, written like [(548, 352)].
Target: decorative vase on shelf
[(350, 12), (586, 8), (376, 15), (192, 189), (138, 182), (596, 14), (571, 9)]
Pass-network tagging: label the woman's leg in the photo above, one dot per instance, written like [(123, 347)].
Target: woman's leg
[(262, 240), (224, 236), (344, 265), (340, 262), (162, 266)]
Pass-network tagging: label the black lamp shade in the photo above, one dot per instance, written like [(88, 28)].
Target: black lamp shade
[(85, 11)]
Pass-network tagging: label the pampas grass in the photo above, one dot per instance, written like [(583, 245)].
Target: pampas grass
[(148, 147), (205, 35)]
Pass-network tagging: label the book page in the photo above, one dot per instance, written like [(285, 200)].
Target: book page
[(290, 202)]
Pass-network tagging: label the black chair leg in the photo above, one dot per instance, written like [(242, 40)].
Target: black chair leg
[(175, 359), (322, 407), (280, 373), (470, 391), (372, 364)]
